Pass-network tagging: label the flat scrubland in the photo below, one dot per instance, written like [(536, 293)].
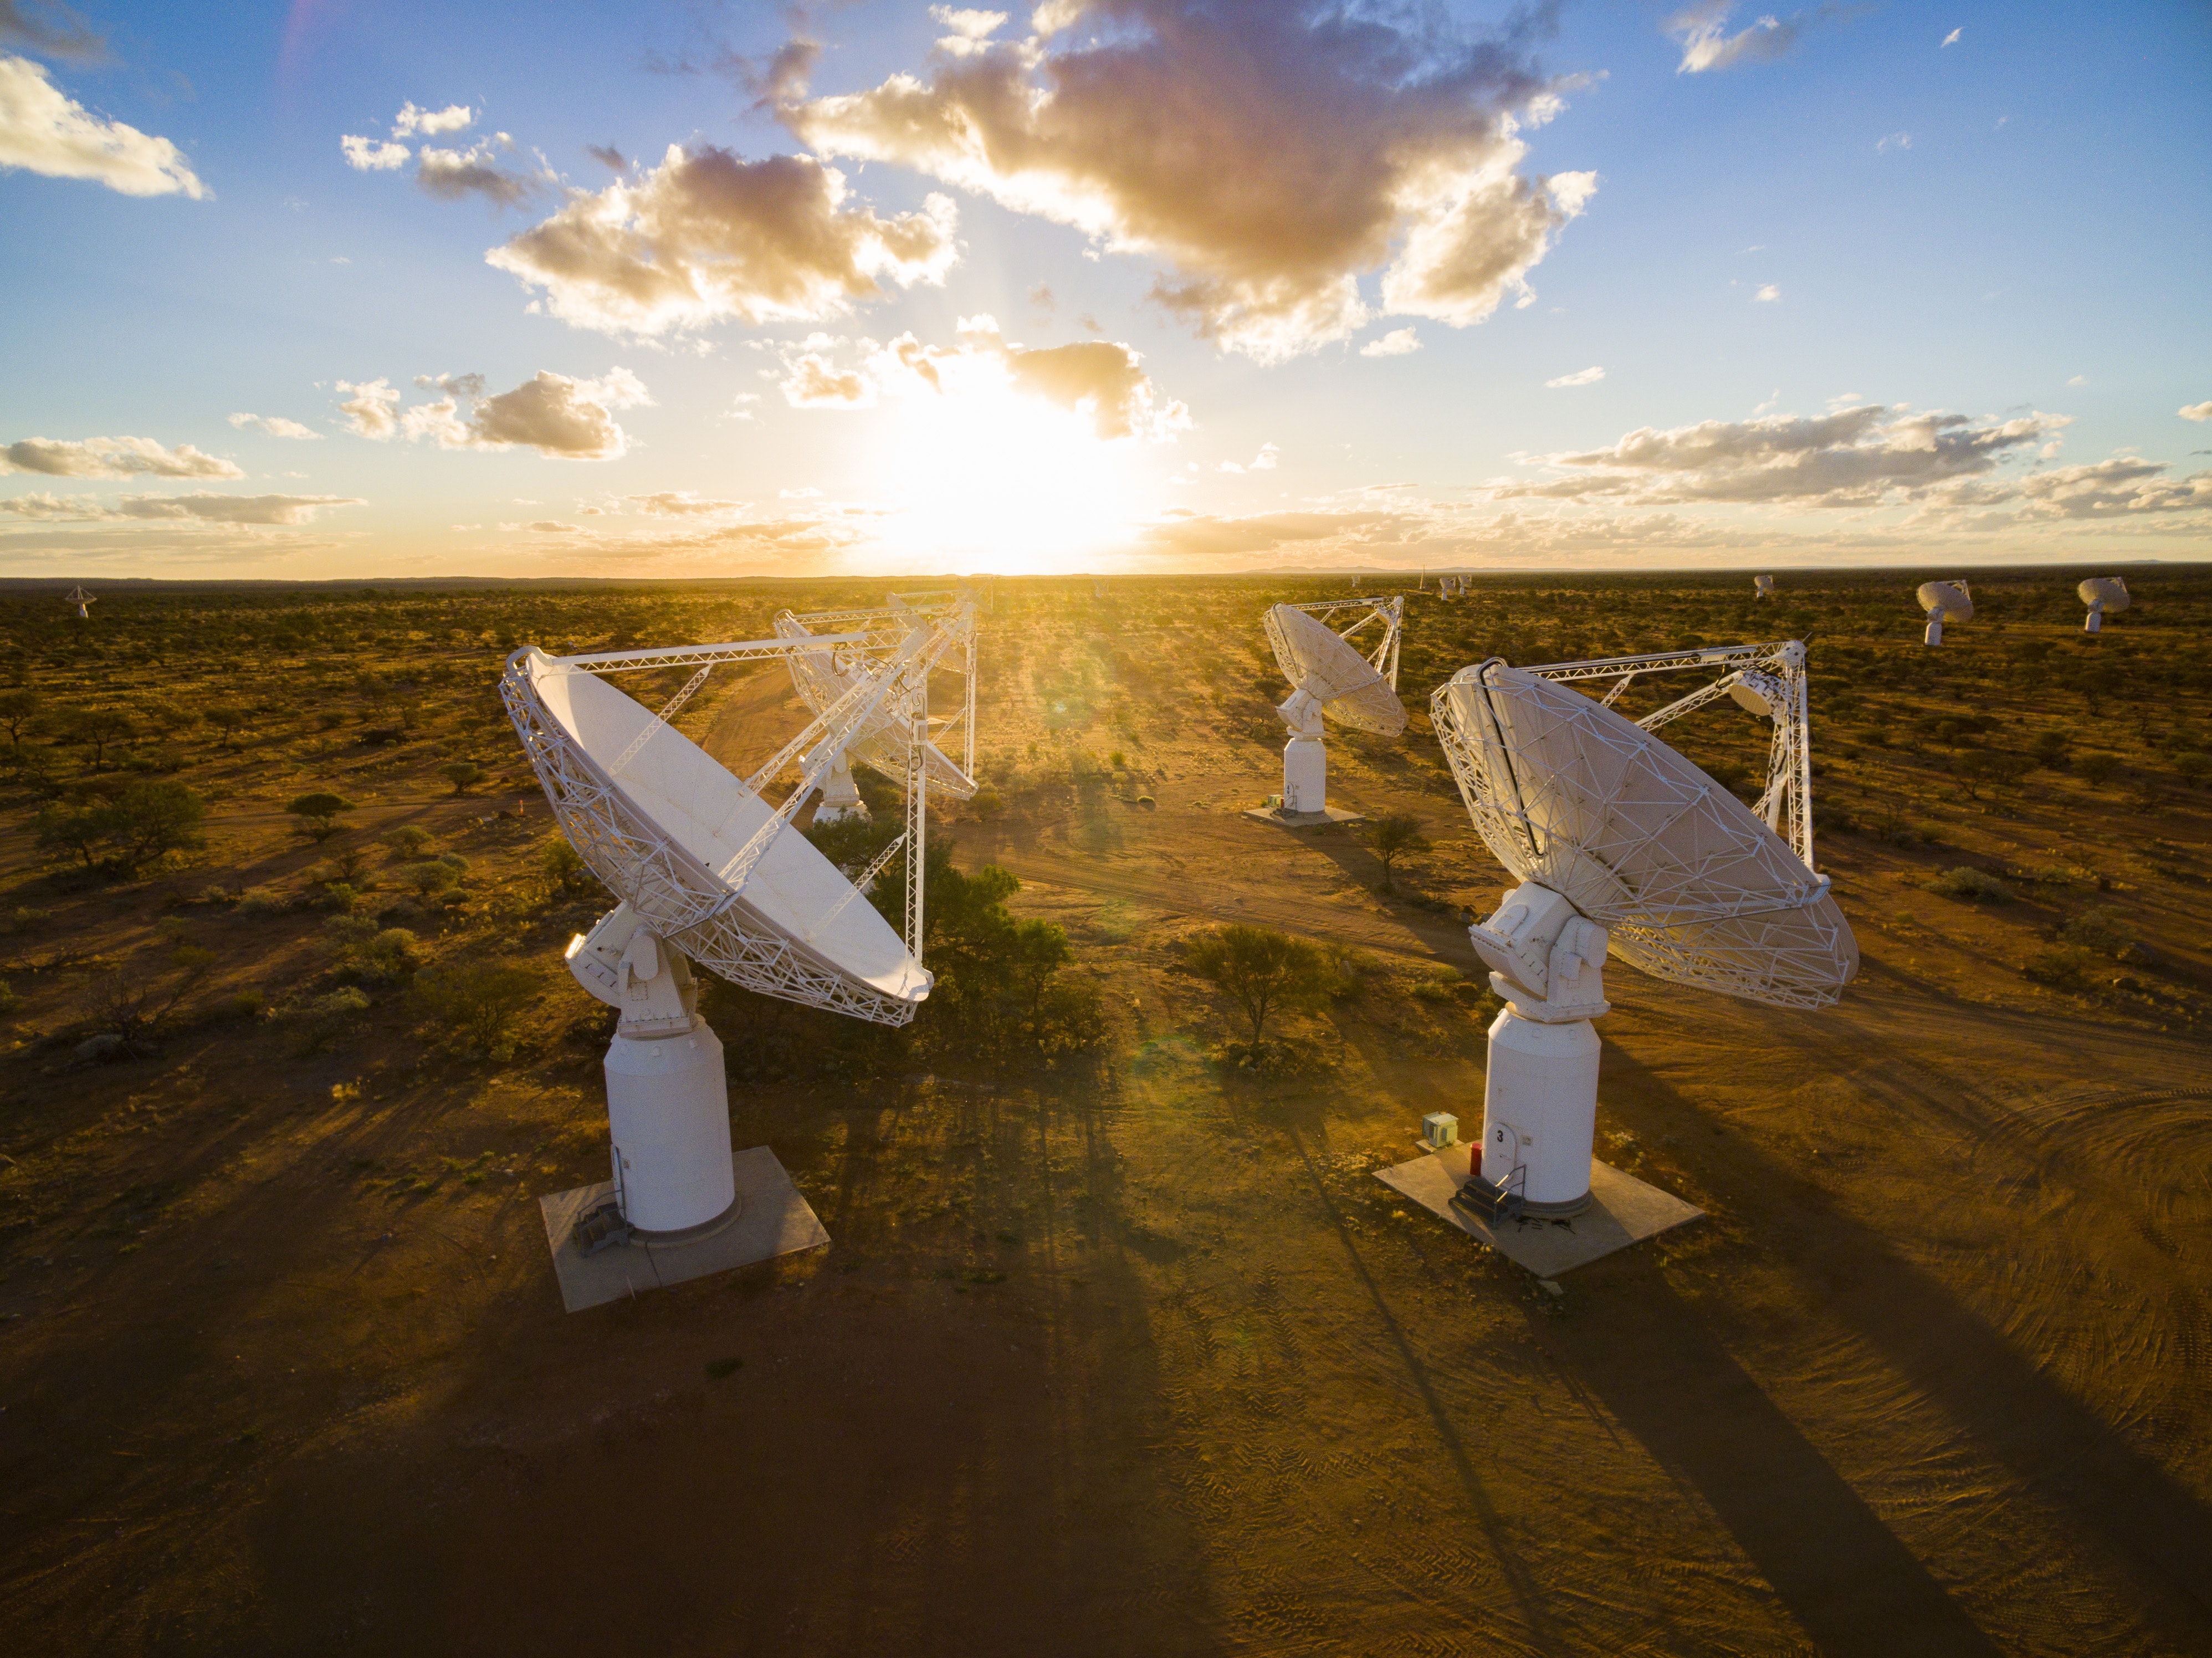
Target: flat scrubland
[(1119, 1348)]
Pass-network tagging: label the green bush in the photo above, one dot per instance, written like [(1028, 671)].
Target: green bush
[(2096, 768), (406, 839), (2102, 929), (127, 832), (1977, 885), (429, 878), (1263, 970), (479, 1001)]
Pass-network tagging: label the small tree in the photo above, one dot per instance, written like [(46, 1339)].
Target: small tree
[(463, 774), (230, 720), (100, 728), (148, 821), (1395, 835), (1041, 949), (406, 839), (563, 867), (318, 813), (479, 999), (2096, 768), (19, 707), (1263, 970)]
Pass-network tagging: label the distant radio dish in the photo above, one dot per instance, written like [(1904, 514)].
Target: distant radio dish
[(823, 674), (706, 869), (2105, 595), (82, 599), (1763, 585), (1945, 601), (1622, 845), (1331, 678)]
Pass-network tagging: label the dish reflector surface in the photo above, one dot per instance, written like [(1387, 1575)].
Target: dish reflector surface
[(1350, 688), (1949, 597), (658, 832), (1690, 884), (2108, 590)]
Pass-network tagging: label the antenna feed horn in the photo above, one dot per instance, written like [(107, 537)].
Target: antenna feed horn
[(1547, 958)]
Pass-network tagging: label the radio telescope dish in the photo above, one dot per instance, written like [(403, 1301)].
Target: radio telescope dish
[(1331, 678), (82, 599), (2105, 595), (1945, 601), (823, 674), (706, 871), (1621, 845), (1763, 585)]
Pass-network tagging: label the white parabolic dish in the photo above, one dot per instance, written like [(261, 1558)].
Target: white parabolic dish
[(1350, 688), (824, 676), (658, 820), (1690, 884), (1951, 598), (2107, 592)]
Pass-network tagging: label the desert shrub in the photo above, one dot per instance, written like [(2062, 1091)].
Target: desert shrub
[(2096, 768), (318, 813), (125, 833), (322, 1020), (358, 945), (1976, 885), (339, 896), (2194, 765), (263, 901), (563, 868), (1262, 969), (2049, 750), (134, 1001), (429, 878), (2065, 965), (478, 1001), (2102, 929), (463, 774), (987, 803), (99, 728), (9, 999), (24, 918), (406, 839)]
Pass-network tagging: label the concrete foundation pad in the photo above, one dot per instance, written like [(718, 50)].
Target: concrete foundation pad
[(1622, 1211), (772, 1220), (1304, 819)]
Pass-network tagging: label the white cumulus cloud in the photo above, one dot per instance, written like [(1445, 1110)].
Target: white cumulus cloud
[(113, 458), (372, 155), (707, 236), (371, 408), (277, 427), (44, 132), (1769, 293), (454, 118), (1398, 343), (1589, 376), (2197, 410), (1270, 154), (561, 418)]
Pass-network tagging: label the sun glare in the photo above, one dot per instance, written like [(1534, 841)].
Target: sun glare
[(978, 478)]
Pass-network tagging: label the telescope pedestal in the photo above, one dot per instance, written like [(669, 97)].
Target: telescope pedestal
[(841, 797), (2094, 623), (1539, 1112), (668, 1118), (1934, 634), (1305, 775)]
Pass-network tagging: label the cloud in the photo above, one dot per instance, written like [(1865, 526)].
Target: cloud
[(1706, 44), (277, 427), (550, 527), (1271, 155), (1893, 141), (372, 410), (681, 503), (66, 35), (562, 419), (372, 155), (1852, 457), (1398, 343), (707, 236), (1952, 39), (1589, 376), (2121, 488), (43, 132), (608, 156), (971, 29), (2196, 411), (1263, 462), (1769, 293), (2079, 379), (113, 458), (450, 174), (203, 506), (1099, 380), (454, 117)]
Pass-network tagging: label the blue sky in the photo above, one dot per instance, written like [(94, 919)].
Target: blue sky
[(1239, 285)]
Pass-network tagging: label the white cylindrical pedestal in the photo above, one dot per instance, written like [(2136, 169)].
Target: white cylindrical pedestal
[(841, 796), (2095, 624), (1305, 775), (1540, 1111), (668, 1112), (1934, 634)]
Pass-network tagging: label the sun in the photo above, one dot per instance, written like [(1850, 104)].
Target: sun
[(982, 479)]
